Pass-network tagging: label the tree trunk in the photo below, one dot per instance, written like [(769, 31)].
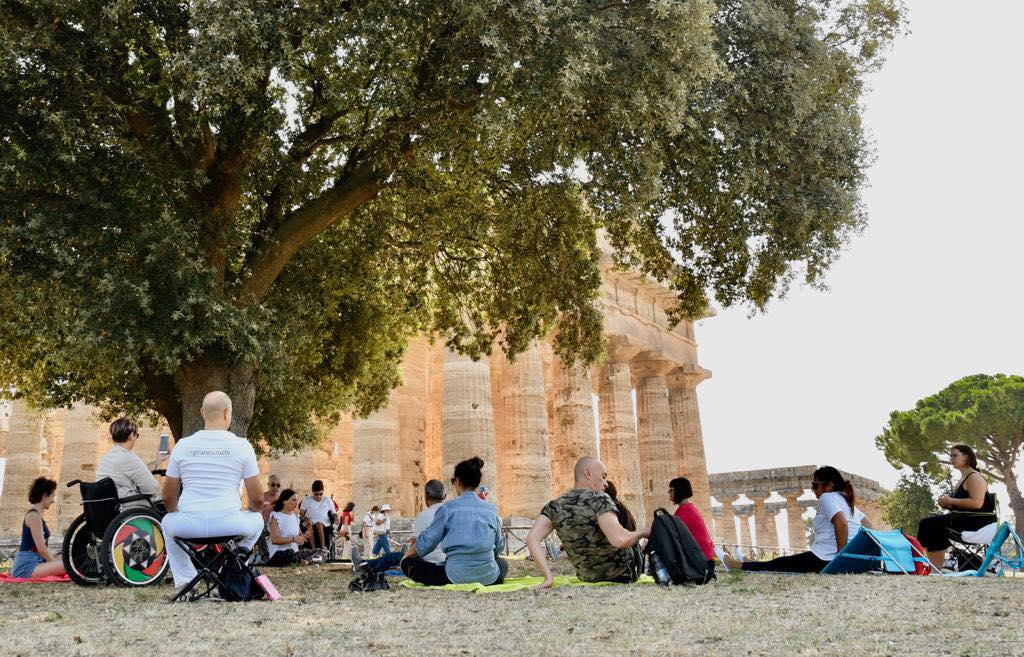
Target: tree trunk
[(1016, 500), (199, 377)]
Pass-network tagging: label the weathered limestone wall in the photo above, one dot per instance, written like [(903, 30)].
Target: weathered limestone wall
[(686, 428), (411, 398), (618, 436), (86, 439), (573, 435), (433, 457), (376, 468), (468, 418), (654, 432), (24, 447), (523, 455)]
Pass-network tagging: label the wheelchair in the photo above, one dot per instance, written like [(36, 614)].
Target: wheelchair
[(109, 544)]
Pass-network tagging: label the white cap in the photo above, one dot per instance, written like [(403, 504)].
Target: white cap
[(386, 507)]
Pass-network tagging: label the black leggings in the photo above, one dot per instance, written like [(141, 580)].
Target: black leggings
[(283, 558), (933, 531), (433, 574), (802, 562)]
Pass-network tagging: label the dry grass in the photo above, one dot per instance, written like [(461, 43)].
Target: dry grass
[(739, 615)]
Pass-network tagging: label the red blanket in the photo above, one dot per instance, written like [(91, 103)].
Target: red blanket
[(7, 579)]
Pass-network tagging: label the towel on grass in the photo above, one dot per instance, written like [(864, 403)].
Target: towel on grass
[(517, 584), (6, 578)]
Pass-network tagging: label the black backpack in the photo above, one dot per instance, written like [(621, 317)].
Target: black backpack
[(238, 580), (672, 547)]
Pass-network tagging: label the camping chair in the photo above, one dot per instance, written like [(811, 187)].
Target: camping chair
[(209, 555), (967, 548), (876, 550), (995, 559)]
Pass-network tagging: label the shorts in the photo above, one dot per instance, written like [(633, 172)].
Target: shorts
[(25, 563)]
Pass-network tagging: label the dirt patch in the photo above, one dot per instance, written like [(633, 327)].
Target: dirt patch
[(750, 614)]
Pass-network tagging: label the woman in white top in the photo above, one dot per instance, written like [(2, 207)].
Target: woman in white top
[(285, 536), (836, 522)]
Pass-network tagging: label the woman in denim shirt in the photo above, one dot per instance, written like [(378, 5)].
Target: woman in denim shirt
[(468, 530)]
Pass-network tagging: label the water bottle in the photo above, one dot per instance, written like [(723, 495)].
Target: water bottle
[(659, 571)]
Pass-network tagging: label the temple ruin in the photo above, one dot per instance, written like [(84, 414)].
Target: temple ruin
[(529, 419)]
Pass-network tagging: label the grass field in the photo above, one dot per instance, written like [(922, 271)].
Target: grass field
[(749, 614)]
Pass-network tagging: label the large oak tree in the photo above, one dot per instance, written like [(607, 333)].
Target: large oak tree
[(270, 197)]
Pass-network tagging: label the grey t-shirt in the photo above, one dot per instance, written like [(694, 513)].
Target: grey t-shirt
[(423, 520)]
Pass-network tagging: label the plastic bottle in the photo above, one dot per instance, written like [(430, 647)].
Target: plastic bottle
[(659, 571)]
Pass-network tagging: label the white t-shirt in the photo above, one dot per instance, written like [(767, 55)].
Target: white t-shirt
[(211, 465), (423, 520), (829, 505), (384, 528), (317, 511), (287, 525)]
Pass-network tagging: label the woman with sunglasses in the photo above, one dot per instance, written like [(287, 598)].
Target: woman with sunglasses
[(970, 506), (468, 529), (836, 522)]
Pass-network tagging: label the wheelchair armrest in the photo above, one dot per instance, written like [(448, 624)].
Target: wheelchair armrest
[(159, 473), (133, 498)]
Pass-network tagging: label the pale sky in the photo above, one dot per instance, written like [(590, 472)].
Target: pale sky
[(930, 292)]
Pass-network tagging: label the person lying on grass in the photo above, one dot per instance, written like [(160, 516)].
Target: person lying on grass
[(587, 521), (836, 522)]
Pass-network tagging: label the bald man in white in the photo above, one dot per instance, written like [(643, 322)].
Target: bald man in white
[(207, 467)]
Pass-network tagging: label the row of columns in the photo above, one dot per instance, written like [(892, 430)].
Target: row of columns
[(529, 419), (764, 514)]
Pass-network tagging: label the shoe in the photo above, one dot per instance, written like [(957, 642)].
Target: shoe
[(357, 561)]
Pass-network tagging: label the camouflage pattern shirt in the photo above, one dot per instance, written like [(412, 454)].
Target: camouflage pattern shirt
[(574, 516)]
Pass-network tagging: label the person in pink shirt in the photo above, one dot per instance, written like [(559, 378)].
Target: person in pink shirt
[(680, 491)]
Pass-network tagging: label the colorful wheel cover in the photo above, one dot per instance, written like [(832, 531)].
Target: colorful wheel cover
[(138, 551)]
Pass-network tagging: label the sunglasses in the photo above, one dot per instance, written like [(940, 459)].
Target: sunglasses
[(275, 485), (816, 484)]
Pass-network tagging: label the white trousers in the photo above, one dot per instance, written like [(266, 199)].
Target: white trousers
[(184, 524)]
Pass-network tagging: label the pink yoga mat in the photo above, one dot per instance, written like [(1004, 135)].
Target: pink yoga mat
[(52, 579)]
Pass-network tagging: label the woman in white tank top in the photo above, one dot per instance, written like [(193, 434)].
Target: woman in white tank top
[(285, 536)]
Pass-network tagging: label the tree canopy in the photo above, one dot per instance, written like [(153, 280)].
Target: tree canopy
[(912, 500), (270, 197), (984, 412)]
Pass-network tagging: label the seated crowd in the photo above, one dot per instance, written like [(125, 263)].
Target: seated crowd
[(457, 541)]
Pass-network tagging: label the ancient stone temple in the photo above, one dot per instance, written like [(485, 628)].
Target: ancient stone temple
[(743, 494), (529, 419)]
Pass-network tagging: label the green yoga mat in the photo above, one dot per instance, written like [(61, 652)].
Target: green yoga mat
[(515, 584)]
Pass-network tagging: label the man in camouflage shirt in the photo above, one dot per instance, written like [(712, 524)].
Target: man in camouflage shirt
[(587, 523)]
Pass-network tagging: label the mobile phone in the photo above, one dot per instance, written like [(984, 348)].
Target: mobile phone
[(165, 443)]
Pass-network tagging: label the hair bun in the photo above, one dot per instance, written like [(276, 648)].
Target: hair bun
[(477, 462)]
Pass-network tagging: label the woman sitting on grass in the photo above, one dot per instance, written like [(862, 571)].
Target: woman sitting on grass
[(680, 491), (837, 521), (626, 518), (34, 558), (468, 529), (285, 536)]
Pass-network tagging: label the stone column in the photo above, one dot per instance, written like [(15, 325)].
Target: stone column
[(376, 469), (433, 458), (794, 519), (728, 532), (411, 398), (53, 448), (5, 425), (341, 437), (523, 443), (295, 469), (743, 512), (686, 429), (24, 446), (468, 418), (717, 523), (619, 450), (86, 440), (574, 432), (764, 523), (654, 430)]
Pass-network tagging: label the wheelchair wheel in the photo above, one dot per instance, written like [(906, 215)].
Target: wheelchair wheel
[(133, 552), (80, 554)]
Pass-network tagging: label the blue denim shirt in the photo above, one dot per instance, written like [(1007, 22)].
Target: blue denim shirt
[(469, 531)]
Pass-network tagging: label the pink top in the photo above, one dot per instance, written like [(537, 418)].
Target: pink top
[(690, 516)]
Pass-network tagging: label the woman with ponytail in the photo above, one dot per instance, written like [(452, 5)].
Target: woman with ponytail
[(468, 529), (836, 521)]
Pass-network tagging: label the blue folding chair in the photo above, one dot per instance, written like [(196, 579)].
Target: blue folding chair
[(994, 554), (874, 549)]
